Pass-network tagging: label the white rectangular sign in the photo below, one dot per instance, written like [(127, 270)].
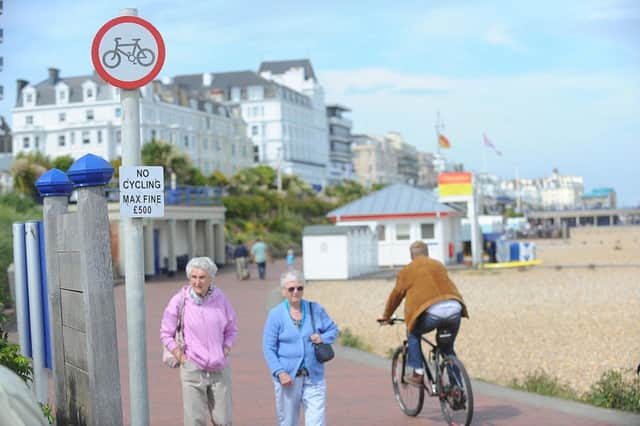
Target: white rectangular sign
[(141, 191)]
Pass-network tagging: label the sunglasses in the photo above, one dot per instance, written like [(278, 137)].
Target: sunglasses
[(292, 289)]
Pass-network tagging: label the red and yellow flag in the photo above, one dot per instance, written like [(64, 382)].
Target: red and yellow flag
[(444, 142)]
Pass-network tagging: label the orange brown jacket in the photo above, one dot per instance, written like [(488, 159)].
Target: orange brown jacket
[(423, 282)]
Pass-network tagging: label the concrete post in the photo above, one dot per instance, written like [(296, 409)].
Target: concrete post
[(192, 238), (173, 263), (209, 239), (89, 174), (220, 249), (149, 254), (55, 187)]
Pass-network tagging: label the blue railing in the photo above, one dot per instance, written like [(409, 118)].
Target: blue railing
[(185, 195)]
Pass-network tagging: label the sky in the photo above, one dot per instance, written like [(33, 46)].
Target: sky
[(553, 84)]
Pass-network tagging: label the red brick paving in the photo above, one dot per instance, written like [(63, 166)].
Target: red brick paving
[(357, 394)]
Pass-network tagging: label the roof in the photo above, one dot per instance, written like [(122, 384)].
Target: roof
[(397, 200), (317, 230), (280, 67), (223, 80), (46, 94)]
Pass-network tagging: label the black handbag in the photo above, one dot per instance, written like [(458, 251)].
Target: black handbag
[(324, 351)]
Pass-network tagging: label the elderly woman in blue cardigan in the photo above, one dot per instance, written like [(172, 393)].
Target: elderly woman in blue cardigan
[(287, 344)]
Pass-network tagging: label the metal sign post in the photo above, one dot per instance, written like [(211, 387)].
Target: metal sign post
[(128, 52)]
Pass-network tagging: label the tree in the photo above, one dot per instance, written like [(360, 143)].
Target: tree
[(217, 178), (62, 162), (26, 170), (158, 153)]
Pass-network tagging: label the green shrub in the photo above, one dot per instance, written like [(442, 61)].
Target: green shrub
[(351, 340), (614, 391), (542, 383), (10, 354)]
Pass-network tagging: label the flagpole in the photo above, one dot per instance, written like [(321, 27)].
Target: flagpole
[(484, 159)]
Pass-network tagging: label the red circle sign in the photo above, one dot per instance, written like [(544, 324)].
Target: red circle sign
[(128, 52)]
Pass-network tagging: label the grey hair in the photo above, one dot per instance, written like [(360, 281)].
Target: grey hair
[(204, 263), (291, 275)]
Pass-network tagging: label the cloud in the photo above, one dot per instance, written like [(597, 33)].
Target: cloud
[(500, 36)]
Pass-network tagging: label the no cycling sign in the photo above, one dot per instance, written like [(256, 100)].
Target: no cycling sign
[(128, 52), (141, 191)]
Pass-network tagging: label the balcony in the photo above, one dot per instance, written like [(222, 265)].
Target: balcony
[(339, 121)]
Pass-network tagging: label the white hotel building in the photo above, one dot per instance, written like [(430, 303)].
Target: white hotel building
[(283, 106), (79, 115)]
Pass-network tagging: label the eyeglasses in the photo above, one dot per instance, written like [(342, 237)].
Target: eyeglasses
[(292, 289)]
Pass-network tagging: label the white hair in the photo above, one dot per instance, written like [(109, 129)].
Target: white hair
[(291, 275), (203, 263)]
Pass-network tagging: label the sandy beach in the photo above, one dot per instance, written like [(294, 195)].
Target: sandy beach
[(573, 322)]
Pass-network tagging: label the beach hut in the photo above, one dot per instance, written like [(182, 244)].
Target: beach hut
[(400, 214)]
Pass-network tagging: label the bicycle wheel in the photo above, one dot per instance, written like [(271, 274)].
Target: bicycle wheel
[(409, 397), (146, 57), (111, 58), (455, 394)]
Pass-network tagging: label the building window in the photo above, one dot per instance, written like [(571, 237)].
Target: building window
[(254, 130), (380, 232), (256, 93), (99, 136), (118, 112), (85, 137), (36, 141), (402, 231), (25, 142), (29, 119), (89, 93), (62, 95), (235, 94), (89, 114), (153, 134), (72, 138), (62, 117), (61, 141), (186, 141), (118, 136), (29, 98), (426, 231)]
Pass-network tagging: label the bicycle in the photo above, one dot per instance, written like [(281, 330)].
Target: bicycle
[(449, 381), (144, 57)]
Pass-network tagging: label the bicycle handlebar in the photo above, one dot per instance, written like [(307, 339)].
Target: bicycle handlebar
[(390, 321)]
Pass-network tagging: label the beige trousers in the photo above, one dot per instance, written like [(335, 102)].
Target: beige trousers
[(206, 396)]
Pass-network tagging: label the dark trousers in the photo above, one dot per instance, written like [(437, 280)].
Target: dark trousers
[(424, 324), (262, 269)]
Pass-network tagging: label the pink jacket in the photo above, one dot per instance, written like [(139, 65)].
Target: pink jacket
[(207, 328)]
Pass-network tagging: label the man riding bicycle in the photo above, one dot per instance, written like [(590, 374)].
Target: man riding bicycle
[(432, 301)]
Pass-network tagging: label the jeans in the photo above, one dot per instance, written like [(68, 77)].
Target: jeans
[(302, 391), (262, 269), (424, 324)]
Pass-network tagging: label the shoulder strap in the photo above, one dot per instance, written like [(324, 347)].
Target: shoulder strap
[(313, 323), (181, 314)]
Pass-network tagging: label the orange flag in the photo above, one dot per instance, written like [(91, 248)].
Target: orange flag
[(444, 142)]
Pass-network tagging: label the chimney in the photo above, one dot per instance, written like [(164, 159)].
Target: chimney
[(20, 84), (54, 75)]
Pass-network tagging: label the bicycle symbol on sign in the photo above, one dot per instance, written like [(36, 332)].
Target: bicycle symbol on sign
[(137, 55)]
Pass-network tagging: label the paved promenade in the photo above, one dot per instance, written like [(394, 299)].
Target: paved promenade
[(359, 389)]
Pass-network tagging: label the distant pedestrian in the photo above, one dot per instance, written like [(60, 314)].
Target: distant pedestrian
[(241, 255), (259, 253), (290, 258), (287, 345), (209, 329)]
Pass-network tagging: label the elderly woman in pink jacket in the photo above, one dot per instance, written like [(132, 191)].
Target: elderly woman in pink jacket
[(209, 328)]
